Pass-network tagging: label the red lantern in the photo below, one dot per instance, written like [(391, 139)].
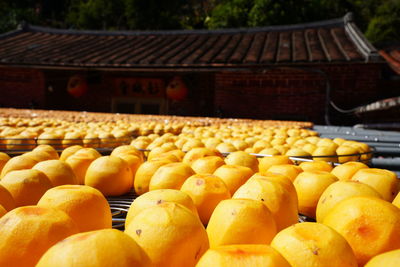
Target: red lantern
[(176, 89), (77, 86)]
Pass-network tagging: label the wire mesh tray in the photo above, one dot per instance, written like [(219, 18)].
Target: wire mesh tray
[(361, 157), (14, 146), (119, 206)]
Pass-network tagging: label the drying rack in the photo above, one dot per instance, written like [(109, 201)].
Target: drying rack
[(119, 205), (12, 147)]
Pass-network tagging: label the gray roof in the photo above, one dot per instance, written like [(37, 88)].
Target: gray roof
[(330, 41)]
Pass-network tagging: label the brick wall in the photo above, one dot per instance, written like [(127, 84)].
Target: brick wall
[(276, 94), (294, 94), (101, 91), (97, 98), (355, 84), (21, 88), (272, 94), (199, 101)]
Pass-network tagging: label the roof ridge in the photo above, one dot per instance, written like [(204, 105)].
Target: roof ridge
[(10, 33), (323, 23), (361, 42)]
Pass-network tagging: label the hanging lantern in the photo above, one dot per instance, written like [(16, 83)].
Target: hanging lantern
[(77, 86), (176, 89)]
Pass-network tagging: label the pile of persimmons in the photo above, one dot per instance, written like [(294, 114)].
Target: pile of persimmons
[(197, 204), (209, 193)]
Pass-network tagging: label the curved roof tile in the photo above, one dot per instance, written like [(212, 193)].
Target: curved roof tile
[(337, 40)]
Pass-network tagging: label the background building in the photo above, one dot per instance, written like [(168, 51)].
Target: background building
[(279, 72)]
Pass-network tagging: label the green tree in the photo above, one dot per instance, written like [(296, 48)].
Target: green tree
[(53, 13), (231, 14), (200, 12), (157, 14), (13, 13), (378, 19), (139, 14), (96, 14), (7, 17), (279, 12), (384, 27), (245, 13)]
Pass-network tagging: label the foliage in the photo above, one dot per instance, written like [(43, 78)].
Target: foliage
[(14, 12), (230, 14), (96, 14), (385, 26), (269, 12), (241, 13), (156, 14), (379, 19), (171, 14)]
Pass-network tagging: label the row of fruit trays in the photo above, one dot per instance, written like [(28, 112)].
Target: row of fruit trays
[(206, 195), (201, 200), (19, 134)]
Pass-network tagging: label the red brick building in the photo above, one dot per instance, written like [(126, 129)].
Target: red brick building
[(278, 72)]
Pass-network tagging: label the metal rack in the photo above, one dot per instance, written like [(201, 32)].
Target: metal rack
[(104, 145), (313, 158), (119, 205), (382, 143), (386, 144)]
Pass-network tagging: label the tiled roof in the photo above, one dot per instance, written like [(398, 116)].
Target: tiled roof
[(337, 40), (392, 55)]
